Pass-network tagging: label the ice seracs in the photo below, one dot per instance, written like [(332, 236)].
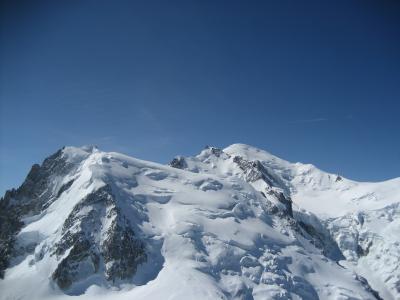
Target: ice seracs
[(233, 223)]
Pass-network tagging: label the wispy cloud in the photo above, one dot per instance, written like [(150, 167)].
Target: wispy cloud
[(315, 120)]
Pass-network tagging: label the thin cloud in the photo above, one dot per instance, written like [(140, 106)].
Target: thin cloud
[(316, 120)]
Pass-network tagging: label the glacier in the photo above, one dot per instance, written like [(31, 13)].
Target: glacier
[(233, 223)]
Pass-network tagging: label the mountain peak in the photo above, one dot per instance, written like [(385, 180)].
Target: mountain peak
[(231, 223)]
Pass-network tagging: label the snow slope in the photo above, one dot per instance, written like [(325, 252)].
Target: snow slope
[(207, 227), (361, 217), (327, 195)]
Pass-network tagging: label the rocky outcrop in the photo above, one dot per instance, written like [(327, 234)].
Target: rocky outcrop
[(255, 170), (38, 190), (35, 194), (215, 151), (122, 252), (115, 222), (285, 200), (80, 262), (10, 225), (178, 163), (97, 238)]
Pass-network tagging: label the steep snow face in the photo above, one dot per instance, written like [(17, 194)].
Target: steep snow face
[(216, 226)]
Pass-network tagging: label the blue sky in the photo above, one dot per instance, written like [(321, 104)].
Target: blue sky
[(309, 81)]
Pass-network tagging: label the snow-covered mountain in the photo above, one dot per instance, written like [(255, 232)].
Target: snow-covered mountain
[(237, 223)]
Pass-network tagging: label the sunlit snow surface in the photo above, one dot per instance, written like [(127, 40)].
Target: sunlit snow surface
[(210, 235)]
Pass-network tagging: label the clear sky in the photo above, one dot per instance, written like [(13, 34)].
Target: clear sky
[(316, 82)]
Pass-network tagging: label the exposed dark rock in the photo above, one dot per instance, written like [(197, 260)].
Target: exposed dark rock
[(81, 260), (37, 190), (216, 151), (117, 253), (10, 225), (363, 252), (34, 195), (255, 170), (321, 239), (122, 252), (285, 200), (366, 285), (65, 187), (178, 162)]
